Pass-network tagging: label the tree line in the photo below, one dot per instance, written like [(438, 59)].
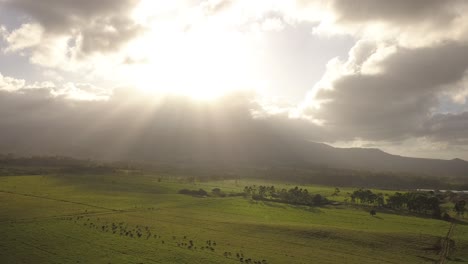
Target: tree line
[(296, 195), (418, 202)]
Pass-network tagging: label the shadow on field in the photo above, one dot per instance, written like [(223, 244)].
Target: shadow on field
[(275, 205), (460, 221), (428, 259), (286, 206), (457, 260), (114, 183), (308, 208)]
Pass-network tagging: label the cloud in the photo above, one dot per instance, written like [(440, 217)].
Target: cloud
[(409, 57), (3, 32), (458, 91), (394, 97), (63, 15), (107, 35), (409, 23), (10, 84), (217, 6), (81, 91), (94, 26), (397, 11), (69, 90), (27, 36), (450, 127), (40, 85)]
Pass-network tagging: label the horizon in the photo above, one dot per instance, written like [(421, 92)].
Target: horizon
[(29, 155)]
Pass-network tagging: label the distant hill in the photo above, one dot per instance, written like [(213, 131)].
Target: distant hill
[(271, 151), (378, 160), (182, 132), (259, 152), (244, 149)]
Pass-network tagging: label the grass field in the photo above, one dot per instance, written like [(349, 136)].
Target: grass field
[(137, 219)]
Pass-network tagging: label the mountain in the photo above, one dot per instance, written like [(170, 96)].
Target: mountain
[(378, 160), (180, 132), (267, 150), (249, 149)]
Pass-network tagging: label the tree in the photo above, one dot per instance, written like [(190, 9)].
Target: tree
[(262, 191), (460, 207), (216, 191), (202, 192), (380, 200), (396, 201), (337, 191), (317, 199)]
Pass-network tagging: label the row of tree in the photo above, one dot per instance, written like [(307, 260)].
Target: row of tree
[(294, 195), (367, 197), (419, 202)]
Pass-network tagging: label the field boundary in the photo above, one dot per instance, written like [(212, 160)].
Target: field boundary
[(447, 241), (58, 200)]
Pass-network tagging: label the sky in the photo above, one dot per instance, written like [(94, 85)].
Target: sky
[(365, 73)]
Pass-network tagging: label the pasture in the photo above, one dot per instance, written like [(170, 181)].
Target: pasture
[(142, 219)]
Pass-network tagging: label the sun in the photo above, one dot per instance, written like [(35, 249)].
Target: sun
[(205, 60)]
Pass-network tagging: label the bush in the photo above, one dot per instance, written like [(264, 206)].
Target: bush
[(218, 192), (199, 192)]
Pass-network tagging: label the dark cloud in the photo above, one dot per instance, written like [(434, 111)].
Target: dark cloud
[(63, 15), (395, 102), (132, 125), (100, 26), (397, 11), (449, 127), (100, 38)]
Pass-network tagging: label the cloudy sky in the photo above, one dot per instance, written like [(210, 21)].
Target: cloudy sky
[(364, 73)]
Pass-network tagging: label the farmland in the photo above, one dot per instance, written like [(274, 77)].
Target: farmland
[(124, 218)]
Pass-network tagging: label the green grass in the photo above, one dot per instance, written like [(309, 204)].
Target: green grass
[(52, 219)]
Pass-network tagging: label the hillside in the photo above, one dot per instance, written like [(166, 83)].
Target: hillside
[(378, 160)]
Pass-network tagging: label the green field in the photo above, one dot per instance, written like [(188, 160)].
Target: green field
[(139, 219)]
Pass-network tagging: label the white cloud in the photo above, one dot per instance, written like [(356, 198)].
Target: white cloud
[(54, 52), (40, 85), (69, 90), (11, 84), (27, 36), (82, 92), (459, 91), (3, 32)]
